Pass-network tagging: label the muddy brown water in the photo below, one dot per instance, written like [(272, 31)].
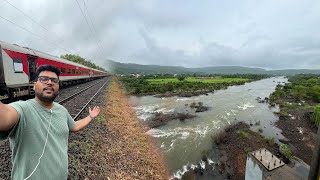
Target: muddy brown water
[(183, 143)]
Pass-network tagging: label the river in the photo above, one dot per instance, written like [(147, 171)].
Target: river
[(184, 142)]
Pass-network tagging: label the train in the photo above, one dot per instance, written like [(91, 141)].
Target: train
[(18, 66)]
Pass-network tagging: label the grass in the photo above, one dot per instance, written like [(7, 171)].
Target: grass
[(100, 119), (316, 115), (270, 140), (132, 154), (286, 151), (195, 79), (282, 112), (243, 134), (247, 150)]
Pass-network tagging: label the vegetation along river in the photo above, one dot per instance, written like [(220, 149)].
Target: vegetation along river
[(183, 143)]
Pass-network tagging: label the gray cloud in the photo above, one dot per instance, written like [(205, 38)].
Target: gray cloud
[(268, 34)]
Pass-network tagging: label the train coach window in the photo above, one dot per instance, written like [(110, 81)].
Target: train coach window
[(73, 71), (69, 71), (77, 72), (63, 70), (17, 65)]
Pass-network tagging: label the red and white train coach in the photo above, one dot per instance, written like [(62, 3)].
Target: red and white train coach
[(18, 67)]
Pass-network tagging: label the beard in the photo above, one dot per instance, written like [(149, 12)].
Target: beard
[(46, 98)]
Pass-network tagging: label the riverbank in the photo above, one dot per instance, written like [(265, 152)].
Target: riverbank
[(298, 128), (130, 153), (297, 101), (183, 86)]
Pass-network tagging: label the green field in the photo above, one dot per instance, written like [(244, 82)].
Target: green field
[(194, 79)]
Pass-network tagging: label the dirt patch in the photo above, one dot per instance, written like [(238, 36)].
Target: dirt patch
[(301, 133)]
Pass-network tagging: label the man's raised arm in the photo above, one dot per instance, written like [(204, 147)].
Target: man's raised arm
[(8, 117), (80, 124)]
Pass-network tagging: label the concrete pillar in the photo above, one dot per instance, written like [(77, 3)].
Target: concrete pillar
[(314, 173)]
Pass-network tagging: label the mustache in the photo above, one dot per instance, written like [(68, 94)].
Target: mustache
[(48, 88)]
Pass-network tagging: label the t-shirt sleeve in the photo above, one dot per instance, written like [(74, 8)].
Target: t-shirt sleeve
[(17, 128), (71, 121)]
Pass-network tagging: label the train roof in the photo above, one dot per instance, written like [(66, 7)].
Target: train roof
[(26, 50)]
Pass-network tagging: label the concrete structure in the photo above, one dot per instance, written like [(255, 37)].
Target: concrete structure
[(315, 165), (267, 159), (262, 164)]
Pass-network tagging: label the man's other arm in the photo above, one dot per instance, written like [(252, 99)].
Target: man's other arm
[(80, 124), (8, 117)]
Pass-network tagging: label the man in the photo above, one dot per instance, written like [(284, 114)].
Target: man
[(38, 130)]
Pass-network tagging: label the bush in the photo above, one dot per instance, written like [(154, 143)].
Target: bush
[(286, 151), (270, 140), (181, 78), (247, 150), (243, 134)]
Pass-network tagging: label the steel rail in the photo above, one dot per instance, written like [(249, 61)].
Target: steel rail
[(83, 108), (70, 97)]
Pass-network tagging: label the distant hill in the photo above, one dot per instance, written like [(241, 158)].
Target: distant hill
[(129, 68), (230, 70), (295, 71)]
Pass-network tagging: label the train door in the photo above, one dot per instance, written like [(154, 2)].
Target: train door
[(32, 63)]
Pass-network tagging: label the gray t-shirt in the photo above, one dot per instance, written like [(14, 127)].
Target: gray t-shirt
[(28, 138)]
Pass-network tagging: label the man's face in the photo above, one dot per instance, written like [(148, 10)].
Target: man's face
[(45, 88)]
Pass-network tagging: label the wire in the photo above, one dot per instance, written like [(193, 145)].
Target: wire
[(26, 15), (43, 38), (44, 28), (83, 14), (56, 36), (44, 148), (93, 27)]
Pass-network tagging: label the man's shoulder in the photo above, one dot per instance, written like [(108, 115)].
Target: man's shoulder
[(20, 103), (59, 106)]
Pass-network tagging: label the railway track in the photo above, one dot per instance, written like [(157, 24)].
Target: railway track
[(69, 90), (76, 104)]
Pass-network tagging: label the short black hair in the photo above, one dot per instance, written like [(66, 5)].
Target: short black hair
[(47, 67)]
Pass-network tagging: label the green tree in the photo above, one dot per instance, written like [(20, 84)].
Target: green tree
[(314, 93), (181, 78), (80, 60), (299, 92)]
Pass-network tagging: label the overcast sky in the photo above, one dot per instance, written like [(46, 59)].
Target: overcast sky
[(272, 34)]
